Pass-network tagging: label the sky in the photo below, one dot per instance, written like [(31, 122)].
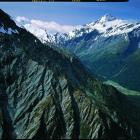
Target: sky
[(72, 14)]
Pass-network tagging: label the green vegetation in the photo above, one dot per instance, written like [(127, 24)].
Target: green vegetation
[(134, 96)]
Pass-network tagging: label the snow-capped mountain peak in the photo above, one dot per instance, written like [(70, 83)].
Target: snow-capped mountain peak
[(106, 18), (106, 26)]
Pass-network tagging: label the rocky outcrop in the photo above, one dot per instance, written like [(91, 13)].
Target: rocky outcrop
[(48, 94)]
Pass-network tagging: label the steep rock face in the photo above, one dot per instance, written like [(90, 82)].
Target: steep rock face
[(48, 94)]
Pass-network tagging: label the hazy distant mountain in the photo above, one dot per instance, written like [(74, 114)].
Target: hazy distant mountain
[(45, 93)]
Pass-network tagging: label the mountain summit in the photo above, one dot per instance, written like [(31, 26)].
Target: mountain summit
[(45, 93), (106, 26), (107, 17)]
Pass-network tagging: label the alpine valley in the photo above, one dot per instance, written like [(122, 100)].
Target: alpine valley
[(47, 93), (109, 47)]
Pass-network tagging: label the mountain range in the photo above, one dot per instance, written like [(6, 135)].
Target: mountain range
[(109, 47), (47, 93)]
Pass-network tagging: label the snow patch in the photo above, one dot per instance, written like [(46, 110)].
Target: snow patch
[(8, 31)]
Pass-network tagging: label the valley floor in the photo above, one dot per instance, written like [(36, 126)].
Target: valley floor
[(132, 95)]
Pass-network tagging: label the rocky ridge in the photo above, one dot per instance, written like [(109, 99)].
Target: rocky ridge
[(48, 94)]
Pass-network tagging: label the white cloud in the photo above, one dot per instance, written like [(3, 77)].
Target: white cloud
[(49, 26), (22, 19), (52, 26)]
